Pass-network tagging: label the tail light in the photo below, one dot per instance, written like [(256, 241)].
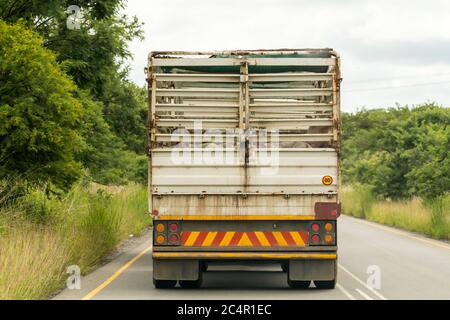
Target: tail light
[(160, 239), (322, 233), (315, 239), (160, 227), (173, 227), (167, 233), (174, 239)]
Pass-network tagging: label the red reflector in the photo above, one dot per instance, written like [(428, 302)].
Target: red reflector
[(155, 212), (173, 227), (174, 238), (327, 210), (315, 227), (315, 238)]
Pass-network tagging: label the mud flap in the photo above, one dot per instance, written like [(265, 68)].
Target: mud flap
[(312, 270), (176, 269)]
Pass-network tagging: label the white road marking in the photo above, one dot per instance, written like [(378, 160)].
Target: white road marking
[(379, 295), (363, 294), (345, 292)]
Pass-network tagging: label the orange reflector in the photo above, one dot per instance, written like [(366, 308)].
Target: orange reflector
[(327, 180), (160, 227), (329, 227), (328, 238), (160, 239)]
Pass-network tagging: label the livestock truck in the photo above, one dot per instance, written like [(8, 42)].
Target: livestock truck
[(244, 151)]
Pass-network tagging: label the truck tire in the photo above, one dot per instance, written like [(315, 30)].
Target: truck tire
[(164, 284), (331, 284), (299, 284)]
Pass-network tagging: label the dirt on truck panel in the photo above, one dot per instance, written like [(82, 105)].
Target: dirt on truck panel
[(244, 162)]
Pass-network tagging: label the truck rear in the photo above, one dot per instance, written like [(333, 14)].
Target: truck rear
[(244, 162)]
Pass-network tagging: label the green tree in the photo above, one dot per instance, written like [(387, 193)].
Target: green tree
[(40, 119), (95, 57), (400, 152)]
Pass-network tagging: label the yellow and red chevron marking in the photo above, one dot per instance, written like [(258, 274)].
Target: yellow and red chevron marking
[(244, 239)]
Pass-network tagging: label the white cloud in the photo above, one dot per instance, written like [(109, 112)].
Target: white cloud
[(403, 42)]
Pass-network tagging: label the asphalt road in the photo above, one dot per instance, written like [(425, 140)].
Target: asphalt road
[(409, 267)]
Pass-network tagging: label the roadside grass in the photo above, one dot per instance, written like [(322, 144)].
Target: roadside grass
[(431, 218), (41, 237)]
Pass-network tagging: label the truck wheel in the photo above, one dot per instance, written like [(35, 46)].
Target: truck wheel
[(299, 284), (325, 284), (164, 284), (191, 284)]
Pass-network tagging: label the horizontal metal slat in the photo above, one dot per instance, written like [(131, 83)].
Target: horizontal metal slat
[(299, 124), (190, 124), (271, 93), (290, 108), (204, 137), (286, 77), (176, 77), (208, 102), (185, 62), (197, 108), (199, 93), (305, 137)]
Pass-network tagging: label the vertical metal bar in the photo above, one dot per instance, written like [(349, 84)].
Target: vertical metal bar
[(247, 94), (242, 99), (244, 122), (337, 121), (151, 128)]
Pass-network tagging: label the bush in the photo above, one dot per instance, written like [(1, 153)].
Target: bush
[(429, 217), (80, 229), (358, 200), (440, 217)]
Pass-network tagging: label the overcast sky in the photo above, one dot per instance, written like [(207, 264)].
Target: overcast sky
[(392, 51)]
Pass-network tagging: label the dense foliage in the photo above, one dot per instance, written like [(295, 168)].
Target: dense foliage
[(400, 152), (40, 119), (66, 106)]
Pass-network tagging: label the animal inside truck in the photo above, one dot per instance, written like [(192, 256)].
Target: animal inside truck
[(244, 151)]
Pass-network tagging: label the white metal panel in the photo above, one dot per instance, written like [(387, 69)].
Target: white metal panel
[(302, 106)]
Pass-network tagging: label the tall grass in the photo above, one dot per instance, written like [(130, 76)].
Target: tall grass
[(41, 237), (430, 217)]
